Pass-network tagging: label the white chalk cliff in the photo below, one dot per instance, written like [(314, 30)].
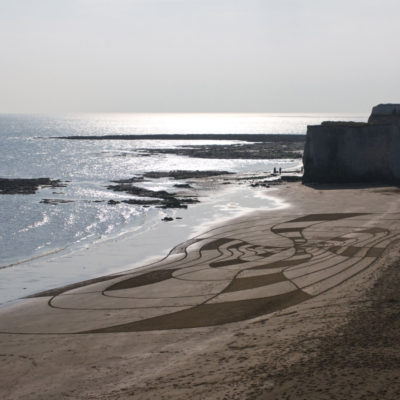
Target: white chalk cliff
[(339, 152)]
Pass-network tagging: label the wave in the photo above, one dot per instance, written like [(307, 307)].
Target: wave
[(33, 258)]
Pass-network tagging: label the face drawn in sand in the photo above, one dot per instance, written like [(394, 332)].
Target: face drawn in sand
[(230, 274)]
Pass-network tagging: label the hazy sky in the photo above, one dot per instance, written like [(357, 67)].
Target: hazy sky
[(198, 55)]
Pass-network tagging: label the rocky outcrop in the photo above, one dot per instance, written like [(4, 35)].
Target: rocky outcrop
[(27, 186), (344, 152), (385, 114), (182, 174), (255, 151), (257, 146), (160, 198)]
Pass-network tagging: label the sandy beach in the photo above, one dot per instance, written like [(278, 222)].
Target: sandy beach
[(298, 302)]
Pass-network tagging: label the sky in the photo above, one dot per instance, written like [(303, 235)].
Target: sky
[(198, 55)]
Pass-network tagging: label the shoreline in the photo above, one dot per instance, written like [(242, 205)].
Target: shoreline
[(151, 262), (127, 337), (128, 250)]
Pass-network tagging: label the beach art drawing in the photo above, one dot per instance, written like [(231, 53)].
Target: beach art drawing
[(233, 273)]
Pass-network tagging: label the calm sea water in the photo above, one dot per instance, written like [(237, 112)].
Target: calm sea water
[(29, 229)]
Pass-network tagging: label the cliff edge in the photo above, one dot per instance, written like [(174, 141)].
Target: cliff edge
[(385, 114)]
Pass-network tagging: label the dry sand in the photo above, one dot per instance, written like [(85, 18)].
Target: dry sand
[(296, 303)]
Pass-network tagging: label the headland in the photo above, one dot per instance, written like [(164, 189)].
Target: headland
[(339, 152)]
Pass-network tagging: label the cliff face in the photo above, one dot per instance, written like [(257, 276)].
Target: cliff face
[(385, 114), (352, 152)]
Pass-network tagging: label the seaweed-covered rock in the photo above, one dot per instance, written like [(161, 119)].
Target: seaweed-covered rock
[(254, 151), (27, 186), (54, 202), (160, 198), (181, 175), (134, 179)]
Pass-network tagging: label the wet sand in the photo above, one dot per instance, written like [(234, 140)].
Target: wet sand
[(291, 303)]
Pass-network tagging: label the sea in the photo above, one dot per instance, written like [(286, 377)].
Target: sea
[(33, 234)]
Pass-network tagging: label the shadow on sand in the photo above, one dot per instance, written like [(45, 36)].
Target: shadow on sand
[(389, 187)]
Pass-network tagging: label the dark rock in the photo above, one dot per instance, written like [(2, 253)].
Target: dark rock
[(141, 192), (260, 184), (189, 200), (178, 202), (254, 177), (134, 179), (55, 201), (183, 186), (262, 137), (167, 219), (291, 178), (113, 202), (258, 151), (182, 175), (256, 146), (139, 202), (159, 198), (27, 186)]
